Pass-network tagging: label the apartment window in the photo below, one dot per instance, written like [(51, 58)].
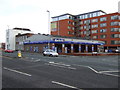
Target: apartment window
[(114, 23), (73, 28), (86, 21), (94, 20), (81, 22), (81, 32), (102, 36), (81, 27), (115, 17), (103, 19), (81, 17), (115, 35), (84, 27), (73, 23), (69, 22), (103, 30), (90, 15), (95, 37), (8, 40), (115, 29), (103, 25), (94, 31), (94, 14), (64, 17), (115, 42), (69, 27), (69, 32), (88, 27), (70, 17), (86, 16), (78, 17), (84, 32), (55, 19), (95, 26)]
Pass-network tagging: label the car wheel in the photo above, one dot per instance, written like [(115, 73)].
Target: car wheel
[(44, 55), (50, 55)]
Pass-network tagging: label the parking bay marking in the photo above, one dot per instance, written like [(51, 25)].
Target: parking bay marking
[(16, 71), (108, 71), (65, 85), (99, 72), (60, 65)]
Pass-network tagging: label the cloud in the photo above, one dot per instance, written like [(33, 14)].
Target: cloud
[(32, 13)]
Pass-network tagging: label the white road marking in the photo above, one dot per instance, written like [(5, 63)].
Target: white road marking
[(99, 72), (16, 71), (87, 67), (108, 71), (52, 64), (62, 84), (37, 60), (60, 64), (110, 74), (93, 69), (32, 58), (72, 68)]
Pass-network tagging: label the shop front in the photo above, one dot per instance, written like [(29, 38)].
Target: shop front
[(63, 45)]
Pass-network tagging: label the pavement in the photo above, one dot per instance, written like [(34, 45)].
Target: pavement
[(34, 70)]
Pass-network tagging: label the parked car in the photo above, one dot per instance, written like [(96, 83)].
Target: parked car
[(50, 52), (116, 51), (9, 51)]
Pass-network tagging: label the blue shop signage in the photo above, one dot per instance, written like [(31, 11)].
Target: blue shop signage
[(58, 40)]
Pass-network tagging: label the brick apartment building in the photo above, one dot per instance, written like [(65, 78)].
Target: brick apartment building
[(96, 25)]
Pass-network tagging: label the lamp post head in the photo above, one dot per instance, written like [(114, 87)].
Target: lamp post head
[(48, 11)]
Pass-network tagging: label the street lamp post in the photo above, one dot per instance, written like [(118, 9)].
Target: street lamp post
[(48, 27), (48, 21)]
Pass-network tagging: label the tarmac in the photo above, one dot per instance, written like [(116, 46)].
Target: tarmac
[(90, 54)]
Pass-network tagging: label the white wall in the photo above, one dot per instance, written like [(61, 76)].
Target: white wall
[(11, 38), (0, 45)]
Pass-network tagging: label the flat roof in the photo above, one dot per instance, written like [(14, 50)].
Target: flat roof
[(92, 12), (79, 14), (24, 34), (63, 15), (42, 39), (25, 29)]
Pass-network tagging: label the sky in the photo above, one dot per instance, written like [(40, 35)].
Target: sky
[(32, 14)]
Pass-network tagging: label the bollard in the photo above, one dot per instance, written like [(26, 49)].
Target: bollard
[(19, 54)]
